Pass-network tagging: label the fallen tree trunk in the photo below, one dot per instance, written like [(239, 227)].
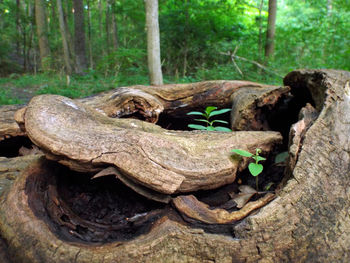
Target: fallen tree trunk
[(307, 222), (172, 100)]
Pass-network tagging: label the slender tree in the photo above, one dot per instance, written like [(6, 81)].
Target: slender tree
[(260, 41), (63, 29), (153, 42), (41, 27), (79, 37), (271, 26), (91, 60), (114, 26)]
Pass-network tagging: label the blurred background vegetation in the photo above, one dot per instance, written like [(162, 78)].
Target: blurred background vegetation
[(198, 38)]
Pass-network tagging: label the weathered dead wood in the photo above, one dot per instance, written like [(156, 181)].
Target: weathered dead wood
[(191, 207), (173, 100), (8, 126), (307, 116), (176, 100), (10, 168), (247, 105), (164, 161), (307, 222)]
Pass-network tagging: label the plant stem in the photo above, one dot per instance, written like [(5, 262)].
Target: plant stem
[(257, 183)]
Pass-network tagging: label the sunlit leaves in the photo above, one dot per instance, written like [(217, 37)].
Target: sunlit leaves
[(207, 114)]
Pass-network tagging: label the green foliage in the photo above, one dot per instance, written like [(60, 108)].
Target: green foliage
[(209, 112), (281, 157), (129, 61), (255, 168), (6, 98)]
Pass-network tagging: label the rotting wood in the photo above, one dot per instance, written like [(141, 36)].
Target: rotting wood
[(164, 161), (191, 207), (149, 102), (307, 222)]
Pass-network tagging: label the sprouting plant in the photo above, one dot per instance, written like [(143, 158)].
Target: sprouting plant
[(255, 168), (209, 112)]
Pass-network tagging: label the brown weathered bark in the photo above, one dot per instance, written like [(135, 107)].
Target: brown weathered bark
[(153, 43), (271, 27), (175, 100), (307, 222), (161, 160), (9, 127), (41, 27), (79, 37)]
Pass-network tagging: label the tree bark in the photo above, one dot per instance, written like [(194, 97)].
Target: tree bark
[(271, 28), (91, 60), (153, 42), (114, 26), (79, 37), (41, 26), (307, 222), (175, 100), (260, 40), (63, 29)]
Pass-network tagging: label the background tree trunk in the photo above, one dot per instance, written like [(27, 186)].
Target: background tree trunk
[(114, 26), (63, 29), (41, 26), (270, 35), (153, 42), (79, 37)]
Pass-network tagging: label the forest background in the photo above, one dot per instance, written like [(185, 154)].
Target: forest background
[(102, 44)]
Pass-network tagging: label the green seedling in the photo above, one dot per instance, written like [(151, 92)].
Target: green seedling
[(255, 168), (209, 112)]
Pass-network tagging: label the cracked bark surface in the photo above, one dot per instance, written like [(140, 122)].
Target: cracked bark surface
[(173, 100), (309, 220), (8, 126), (161, 160)]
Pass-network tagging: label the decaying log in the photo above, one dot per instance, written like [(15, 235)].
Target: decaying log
[(307, 116), (164, 161), (173, 100), (191, 207), (247, 104), (10, 168), (308, 221), (8, 126)]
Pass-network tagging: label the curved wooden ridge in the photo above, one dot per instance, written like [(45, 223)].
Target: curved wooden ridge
[(164, 161), (173, 100)]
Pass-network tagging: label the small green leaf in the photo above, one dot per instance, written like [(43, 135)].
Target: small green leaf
[(268, 186), (281, 157), (220, 121), (196, 113), (197, 127), (242, 152), (202, 120), (209, 109), (210, 128), (255, 169), (218, 112), (258, 158), (223, 129)]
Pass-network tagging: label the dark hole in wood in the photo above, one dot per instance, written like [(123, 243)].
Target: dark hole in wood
[(79, 209), (181, 122), (103, 210), (10, 147)]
